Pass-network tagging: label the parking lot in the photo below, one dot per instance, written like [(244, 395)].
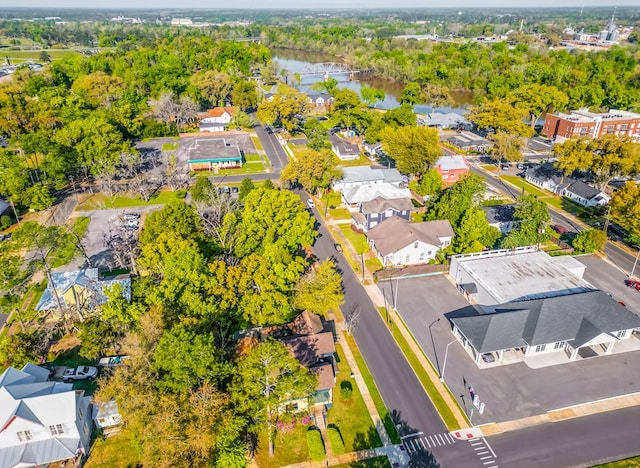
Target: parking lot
[(510, 391), (243, 141), (104, 225)]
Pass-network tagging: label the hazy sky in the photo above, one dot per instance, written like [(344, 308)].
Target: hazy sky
[(261, 4)]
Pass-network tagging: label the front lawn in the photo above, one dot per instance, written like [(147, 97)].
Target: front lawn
[(627, 463), (169, 146), (289, 448), (100, 201), (358, 241), (528, 188), (339, 214), (116, 450), (361, 161), (257, 143), (351, 417), (378, 462)]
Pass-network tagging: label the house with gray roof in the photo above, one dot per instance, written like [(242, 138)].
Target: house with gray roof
[(343, 149), (500, 216), (84, 289), (375, 211), (467, 141), (587, 323), (213, 154), (547, 177), (366, 175), (397, 241), (585, 194), (41, 422)]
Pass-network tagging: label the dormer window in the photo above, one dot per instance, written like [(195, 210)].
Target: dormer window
[(415, 245), (24, 436), (56, 429)]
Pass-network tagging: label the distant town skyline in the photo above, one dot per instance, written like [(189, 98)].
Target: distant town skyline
[(315, 4)]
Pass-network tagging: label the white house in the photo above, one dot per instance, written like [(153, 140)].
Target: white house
[(41, 422), (354, 197), (356, 176), (585, 195), (216, 119), (343, 149), (397, 241)]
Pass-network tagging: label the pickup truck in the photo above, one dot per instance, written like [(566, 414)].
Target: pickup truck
[(112, 361), (79, 373)]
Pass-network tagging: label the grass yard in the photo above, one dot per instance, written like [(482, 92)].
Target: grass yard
[(116, 450), (417, 217), (373, 264), (253, 167), (63, 255), (361, 161), (257, 143), (19, 56), (358, 241), (290, 447), (628, 463), (373, 390), (351, 417), (169, 146), (489, 167), (528, 188), (100, 201), (377, 462), (356, 266), (339, 214), (442, 407)]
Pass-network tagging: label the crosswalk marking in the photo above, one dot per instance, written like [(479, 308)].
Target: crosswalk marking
[(418, 442)]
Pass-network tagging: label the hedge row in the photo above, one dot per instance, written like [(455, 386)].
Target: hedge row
[(315, 444)]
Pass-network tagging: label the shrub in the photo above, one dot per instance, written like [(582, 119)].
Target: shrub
[(335, 439), (181, 193), (5, 221), (315, 445), (346, 390), (589, 241)]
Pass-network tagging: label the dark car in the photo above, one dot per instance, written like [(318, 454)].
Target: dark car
[(560, 229), (505, 167)]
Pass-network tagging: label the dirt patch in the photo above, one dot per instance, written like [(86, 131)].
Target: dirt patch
[(64, 345)]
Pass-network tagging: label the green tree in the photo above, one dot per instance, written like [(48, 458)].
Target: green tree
[(286, 110), (589, 241), (185, 360), (402, 116), (538, 99), (507, 147), (473, 234), (500, 115), (411, 94), (214, 86), (18, 349), (177, 217), (265, 379), (14, 176), (246, 186), (625, 209), (531, 218), (614, 156), (273, 217), (202, 189), (573, 154), (371, 95), (316, 135), (454, 202), (320, 290), (414, 149), (429, 184), (314, 170)]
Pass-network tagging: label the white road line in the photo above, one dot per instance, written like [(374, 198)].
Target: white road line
[(411, 435), (489, 447), (480, 448), (494, 466), (409, 447), (450, 438), (427, 442), (435, 437), (419, 442), (442, 439), (432, 442), (489, 462), (485, 458), (483, 453), (414, 445), (478, 442)]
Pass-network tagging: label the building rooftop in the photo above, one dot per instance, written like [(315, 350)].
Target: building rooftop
[(378, 205), (577, 319), (523, 276), (365, 193), (212, 150), (499, 213), (343, 146), (452, 162), (395, 233), (364, 174)]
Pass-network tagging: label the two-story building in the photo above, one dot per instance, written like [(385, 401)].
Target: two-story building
[(343, 149), (216, 119), (451, 168), (41, 422), (377, 210), (582, 123)]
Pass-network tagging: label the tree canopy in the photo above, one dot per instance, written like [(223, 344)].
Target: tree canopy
[(414, 149)]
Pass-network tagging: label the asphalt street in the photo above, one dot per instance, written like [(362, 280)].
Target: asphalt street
[(402, 392), (585, 441), (273, 148)]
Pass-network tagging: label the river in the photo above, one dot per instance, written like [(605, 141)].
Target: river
[(294, 61)]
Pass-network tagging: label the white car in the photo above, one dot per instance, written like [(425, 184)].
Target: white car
[(310, 203), (80, 373)]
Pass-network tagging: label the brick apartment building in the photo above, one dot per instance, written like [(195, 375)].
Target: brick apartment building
[(582, 123)]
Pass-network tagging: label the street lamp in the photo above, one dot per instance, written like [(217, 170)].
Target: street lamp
[(433, 343), (444, 364), (395, 295), (633, 270)]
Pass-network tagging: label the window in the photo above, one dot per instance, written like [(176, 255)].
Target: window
[(620, 334), (56, 429), (421, 256), (374, 215), (407, 259), (559, 345), (24, 436), (540, 348), (415, 245)]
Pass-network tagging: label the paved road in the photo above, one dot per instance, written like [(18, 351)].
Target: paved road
[(401, 390), (585, 441), (273, 148), (618, 256)]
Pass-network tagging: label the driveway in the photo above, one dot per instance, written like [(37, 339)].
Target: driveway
[(509, 391)]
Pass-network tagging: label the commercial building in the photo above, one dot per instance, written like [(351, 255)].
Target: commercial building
[(582, 123), (213, 155)]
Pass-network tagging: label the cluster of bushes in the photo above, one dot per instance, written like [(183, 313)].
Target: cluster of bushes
[(315, 444), (335, 439)]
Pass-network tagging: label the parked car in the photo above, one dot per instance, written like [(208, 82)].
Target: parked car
[(633, 283), (560, 229), (235, 189), (338, 248), (310, 203), (505, 166), (80, 373), (488, 357), (131, 216), (112, 361)]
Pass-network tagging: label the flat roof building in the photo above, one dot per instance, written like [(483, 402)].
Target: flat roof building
[(582, 123), (212, 154)]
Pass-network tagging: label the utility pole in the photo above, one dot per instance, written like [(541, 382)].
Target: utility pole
[(606, 222)]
